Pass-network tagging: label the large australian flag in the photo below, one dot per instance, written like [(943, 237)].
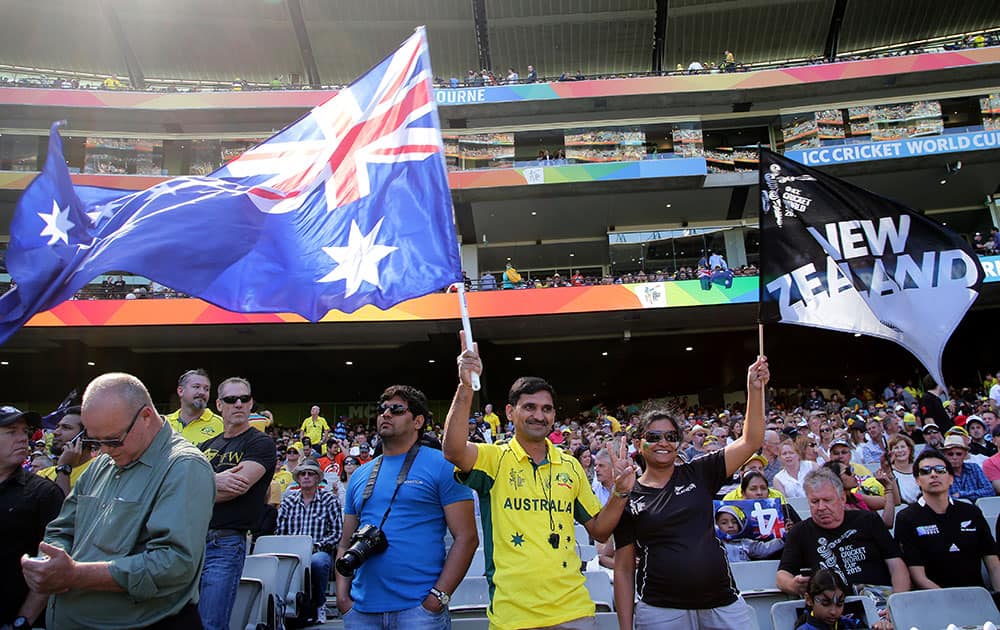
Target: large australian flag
[(347, 206)]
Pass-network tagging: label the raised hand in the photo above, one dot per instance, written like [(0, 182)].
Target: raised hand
[(469, 362), (624, 471), (758, 374)]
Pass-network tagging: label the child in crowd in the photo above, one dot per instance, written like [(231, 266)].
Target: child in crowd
[(730, 521), (825, 599)]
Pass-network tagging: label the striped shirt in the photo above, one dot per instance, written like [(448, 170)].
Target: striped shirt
[(321, 518)]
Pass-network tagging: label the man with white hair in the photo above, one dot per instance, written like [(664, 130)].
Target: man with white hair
[(853, 543), (128, 546)]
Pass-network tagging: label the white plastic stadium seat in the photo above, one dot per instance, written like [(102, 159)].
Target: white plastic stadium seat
[(472, 593), (255, 598), (478, 566), (785, 614), (968, 606), (601, 591), (249, 609), (294, 554), (759, 576), (989, 504), (801, 505), (586, 552), (581, 533)]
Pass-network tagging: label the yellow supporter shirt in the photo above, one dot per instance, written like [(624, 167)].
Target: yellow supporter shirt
[(493, 420), (197, 431), (736, 494), (869, 484), (50, 473), (313, 429), (532, 583), (283, 478)]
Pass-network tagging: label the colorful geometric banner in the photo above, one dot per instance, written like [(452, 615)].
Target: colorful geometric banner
[(438, 306), (305, 99)]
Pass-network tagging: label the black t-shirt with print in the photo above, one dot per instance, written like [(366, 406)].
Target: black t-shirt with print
[(245, 511), (681, 563), (857, 549), (949, 546)]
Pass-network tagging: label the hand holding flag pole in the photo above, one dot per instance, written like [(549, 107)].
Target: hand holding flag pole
[(467, 329)]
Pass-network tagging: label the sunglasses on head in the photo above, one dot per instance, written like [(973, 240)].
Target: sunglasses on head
[(396, 409), (936, 468), (231, 400), (655, 436), (823, 600), (115, 442)]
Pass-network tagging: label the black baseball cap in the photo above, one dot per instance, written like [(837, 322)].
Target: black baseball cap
[(10, 414)]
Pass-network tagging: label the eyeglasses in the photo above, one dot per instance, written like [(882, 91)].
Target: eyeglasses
[(823, 600), (396, 409), (231, 400), (115, 442), (655, 436), (936, 468)]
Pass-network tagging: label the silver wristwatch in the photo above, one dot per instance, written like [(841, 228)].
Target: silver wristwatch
[(443, 597)]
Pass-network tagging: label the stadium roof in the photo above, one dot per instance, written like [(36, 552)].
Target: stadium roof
[(333, 41)]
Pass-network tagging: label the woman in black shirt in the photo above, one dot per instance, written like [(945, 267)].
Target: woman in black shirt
[(682, 578)]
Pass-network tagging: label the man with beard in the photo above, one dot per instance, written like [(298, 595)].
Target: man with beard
[(67, 444), (194, 420)]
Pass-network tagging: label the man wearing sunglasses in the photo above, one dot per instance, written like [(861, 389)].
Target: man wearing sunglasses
[(409, 584), (944, 541), (244, 461), (127, 548)]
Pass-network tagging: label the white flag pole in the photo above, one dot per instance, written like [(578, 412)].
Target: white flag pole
[(467, 328)]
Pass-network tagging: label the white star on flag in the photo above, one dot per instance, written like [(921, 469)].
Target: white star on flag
[(103, 211), (359, 260), (57, 224)]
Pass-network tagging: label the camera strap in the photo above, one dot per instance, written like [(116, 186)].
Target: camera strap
[(373, 477)]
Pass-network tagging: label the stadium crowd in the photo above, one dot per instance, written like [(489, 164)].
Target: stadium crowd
[(115, 524), (480, 78)]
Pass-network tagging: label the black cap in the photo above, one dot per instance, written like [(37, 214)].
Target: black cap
[(9, 415)]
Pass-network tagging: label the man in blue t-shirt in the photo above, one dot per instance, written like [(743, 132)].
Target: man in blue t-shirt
[(413, 571)]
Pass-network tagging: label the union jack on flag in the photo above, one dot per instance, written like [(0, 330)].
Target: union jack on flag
[(348, 206)]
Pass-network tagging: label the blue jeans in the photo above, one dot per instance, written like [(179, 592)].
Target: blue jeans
[(418, 618), (220, 579), (320, 568)]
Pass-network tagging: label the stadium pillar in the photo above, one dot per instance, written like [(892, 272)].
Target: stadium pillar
[(833, 34), (136, 78), (659, 35), (736, 251), (482, 34), (302, 38)]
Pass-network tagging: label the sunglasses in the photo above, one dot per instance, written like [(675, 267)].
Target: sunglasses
[(309, 473), (929, 431), (823, 600), (395, 409), (655, 436), (936, 468), (231, 400), (115, 442), (827, 430), (812, 445)]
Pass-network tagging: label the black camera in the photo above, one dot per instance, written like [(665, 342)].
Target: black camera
[(366, 542)]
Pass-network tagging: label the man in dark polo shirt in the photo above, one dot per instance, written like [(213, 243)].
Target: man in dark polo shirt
[(28, 502), (944, 541), (243, 460)]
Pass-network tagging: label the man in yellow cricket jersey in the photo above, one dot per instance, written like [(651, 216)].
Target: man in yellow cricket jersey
[(314, 427), (530, 495), (194, 420)]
